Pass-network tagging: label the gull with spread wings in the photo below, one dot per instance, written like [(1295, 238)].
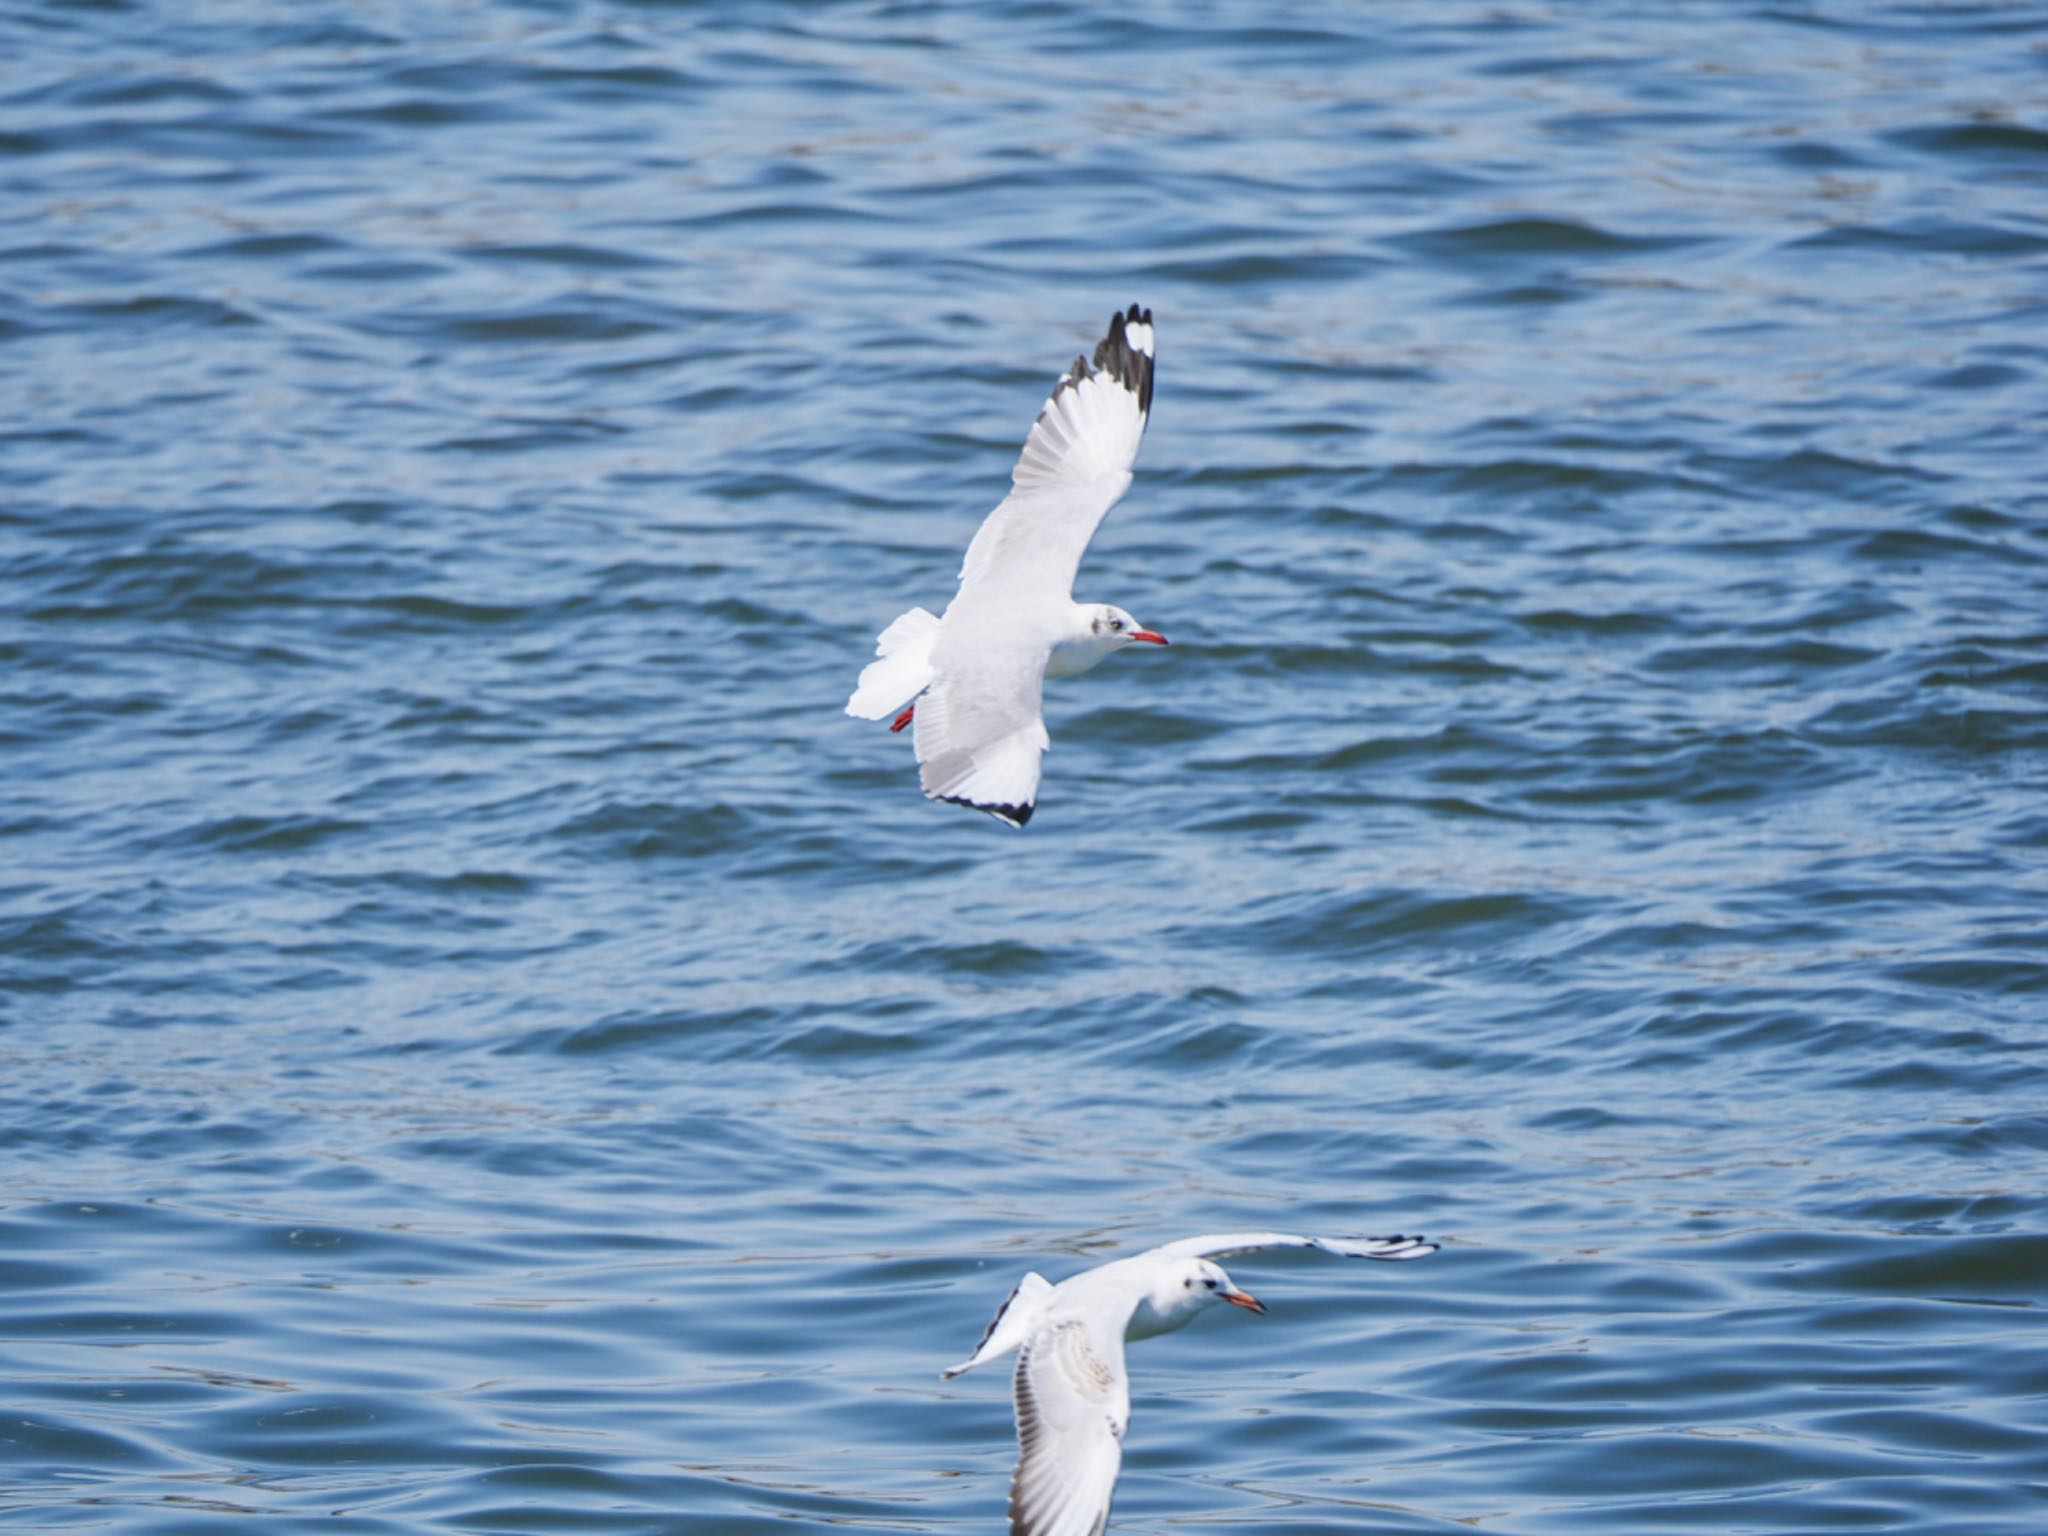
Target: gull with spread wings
[(973, 680), (1073, 1397)]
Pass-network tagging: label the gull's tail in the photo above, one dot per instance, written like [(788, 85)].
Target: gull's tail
[(903, 671)]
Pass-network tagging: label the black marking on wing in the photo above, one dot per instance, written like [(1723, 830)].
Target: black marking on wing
[(1015, 815), (989, 1332), (1027, 1439), (1115, 356)]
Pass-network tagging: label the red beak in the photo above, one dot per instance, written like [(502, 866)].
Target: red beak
[(1151, 635), (1246, 1300)]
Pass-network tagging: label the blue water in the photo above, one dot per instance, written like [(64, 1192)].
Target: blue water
[(489, 1047)]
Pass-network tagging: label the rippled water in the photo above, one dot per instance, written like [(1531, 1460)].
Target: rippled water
[(489, 1047)]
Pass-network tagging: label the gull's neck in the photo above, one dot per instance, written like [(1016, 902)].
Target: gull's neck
[(1162, 1309)]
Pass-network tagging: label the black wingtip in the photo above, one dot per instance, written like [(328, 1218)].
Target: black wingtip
[(1015, 815), (1406, 1247), (1115, 355)]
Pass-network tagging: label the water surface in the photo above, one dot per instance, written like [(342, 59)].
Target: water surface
[(489, 1047)]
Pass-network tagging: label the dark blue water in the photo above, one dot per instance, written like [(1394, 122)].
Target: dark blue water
[(489, 1047)]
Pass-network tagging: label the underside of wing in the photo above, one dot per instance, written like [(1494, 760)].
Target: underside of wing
[(1221, 1245), (1072, 1403), (1075, 465), (979, 731)]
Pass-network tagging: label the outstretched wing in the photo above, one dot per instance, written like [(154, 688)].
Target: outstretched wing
[(1075, 465), (1221, 1245), (979, 731), (1072, 1404)]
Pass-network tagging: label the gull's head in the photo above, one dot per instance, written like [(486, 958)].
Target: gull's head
[(1194, 1285), (1113, 627), (1094, 631)]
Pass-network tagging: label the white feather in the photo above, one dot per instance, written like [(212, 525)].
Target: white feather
[(904, 669)]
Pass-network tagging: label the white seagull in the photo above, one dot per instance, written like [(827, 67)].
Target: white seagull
[(1073, 1398), (981, 669)]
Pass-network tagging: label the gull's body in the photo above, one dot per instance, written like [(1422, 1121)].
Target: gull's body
[(1073, 1396), (977, 673)]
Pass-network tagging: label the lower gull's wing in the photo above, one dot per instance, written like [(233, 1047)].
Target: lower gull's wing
[(1220, 1245), (1072, 1404)]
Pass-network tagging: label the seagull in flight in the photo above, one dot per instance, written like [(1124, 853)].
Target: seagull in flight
[(973, 680), (1073, 1397)]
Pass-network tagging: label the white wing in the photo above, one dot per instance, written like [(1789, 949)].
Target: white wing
[(979, 731), (1075, 465), (1219, 1245), (1072, 1404)]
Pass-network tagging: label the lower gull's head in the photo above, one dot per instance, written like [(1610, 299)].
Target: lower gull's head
[(1195, 1285), (1113, 627)]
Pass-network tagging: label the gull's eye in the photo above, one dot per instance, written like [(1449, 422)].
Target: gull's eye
[(1210, 1283), (1116, 623)]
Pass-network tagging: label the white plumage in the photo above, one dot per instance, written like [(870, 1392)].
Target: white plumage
[(1072, 1395), (977, 673)]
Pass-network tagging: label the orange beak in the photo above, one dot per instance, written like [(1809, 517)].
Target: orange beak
[(1151, 635), (1246, 1300)]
